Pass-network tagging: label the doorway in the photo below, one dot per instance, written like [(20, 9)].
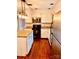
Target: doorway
[(36, 32)]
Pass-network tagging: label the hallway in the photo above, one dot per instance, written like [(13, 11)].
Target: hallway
[(46, 14)]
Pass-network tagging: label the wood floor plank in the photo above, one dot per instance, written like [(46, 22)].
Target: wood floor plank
[(42, 50)]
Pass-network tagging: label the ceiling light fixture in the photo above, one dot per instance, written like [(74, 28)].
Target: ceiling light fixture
[(23, 0), (22, 12), (48, 8), (26, 2), (51, 4), (36, 8)]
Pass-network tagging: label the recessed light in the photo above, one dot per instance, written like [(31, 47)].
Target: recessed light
[(51, 4), (23, 0), (29, 4), (48, 8), (36, 8)]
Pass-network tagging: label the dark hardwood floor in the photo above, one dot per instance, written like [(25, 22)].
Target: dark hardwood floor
[(42, 50)]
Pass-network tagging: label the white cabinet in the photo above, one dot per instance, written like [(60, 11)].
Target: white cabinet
[(21, 47), (24, 45)]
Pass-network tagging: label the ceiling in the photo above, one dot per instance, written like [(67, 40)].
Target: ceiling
[(41, 4), (38, 5)]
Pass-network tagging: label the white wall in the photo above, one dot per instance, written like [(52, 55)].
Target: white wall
[(57, 26), (57, 7), (45, 33), (44, 14)]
